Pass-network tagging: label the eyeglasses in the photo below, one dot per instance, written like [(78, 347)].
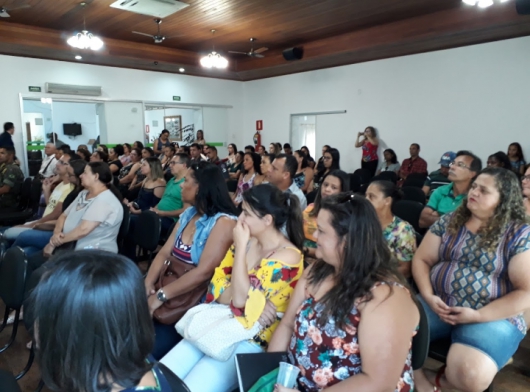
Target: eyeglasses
[(525, 178), (459, 164), (61, 162)]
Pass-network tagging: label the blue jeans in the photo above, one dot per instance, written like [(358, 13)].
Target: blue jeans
[(498, 340), (33, 241)]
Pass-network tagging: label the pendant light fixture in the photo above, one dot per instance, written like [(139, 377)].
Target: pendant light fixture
[(214, 59), (482, 3), (85, 39)]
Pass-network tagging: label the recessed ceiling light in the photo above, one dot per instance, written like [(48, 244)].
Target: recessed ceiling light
[(78, 57), (181, 69)]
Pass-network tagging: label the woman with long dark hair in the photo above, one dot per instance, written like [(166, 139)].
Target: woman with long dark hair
[(331, 161), (310, 159), (351, 319), (200, 238), (499, 159), (92, 325), (390, 163), (304, 174), (232, 153), (259, 272), (516, 156), (250, 175)]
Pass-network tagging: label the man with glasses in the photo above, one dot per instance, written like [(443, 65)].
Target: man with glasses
[(463, 170), (11, 179)]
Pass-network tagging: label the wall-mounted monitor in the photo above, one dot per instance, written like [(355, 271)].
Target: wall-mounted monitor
[(72, 129)]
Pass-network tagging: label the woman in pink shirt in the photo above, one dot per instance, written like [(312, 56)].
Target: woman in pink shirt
[(369, 144)]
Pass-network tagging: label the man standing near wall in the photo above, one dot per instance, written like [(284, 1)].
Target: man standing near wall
[(6, 138), (11, 179)]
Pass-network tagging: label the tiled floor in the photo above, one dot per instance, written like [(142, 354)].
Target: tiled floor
[(513, 378)]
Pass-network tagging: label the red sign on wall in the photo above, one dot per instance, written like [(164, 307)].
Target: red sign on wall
[(259, 125)]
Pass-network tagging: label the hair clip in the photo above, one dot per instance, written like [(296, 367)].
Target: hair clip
[(255, 199)]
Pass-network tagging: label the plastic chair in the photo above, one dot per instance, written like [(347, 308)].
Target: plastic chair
[(388, 176), (147, 232), (12, 284), (355, 182), (414, 193), (124, 227), (175, 382), (420, 342), (415, 179), (8, 383), (364, 174), (409, 211)]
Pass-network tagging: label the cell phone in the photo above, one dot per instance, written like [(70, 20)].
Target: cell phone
[(135, 205)]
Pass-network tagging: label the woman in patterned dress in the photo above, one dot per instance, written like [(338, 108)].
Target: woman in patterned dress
[(399, 234), (472, 273), (350, 321)]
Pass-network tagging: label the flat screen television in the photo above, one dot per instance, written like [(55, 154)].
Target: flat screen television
[(72, 129)]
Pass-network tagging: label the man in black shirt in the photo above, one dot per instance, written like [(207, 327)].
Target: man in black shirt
[(6, 138), (214, 158)]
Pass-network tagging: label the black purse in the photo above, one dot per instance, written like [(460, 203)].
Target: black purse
[(67, 247)]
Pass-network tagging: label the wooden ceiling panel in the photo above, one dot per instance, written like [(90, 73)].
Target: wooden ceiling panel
[(332, 32)]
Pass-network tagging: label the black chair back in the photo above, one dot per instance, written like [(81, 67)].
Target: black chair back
[(409, 211), (8, 382), (414, 193), (34, 199), (124, 227), (420, 342), (147, 231), (168, 176), (415, 179), (176, 384), (25, 194), (13, 277), (355, 182), (364, 174), (388, 176)]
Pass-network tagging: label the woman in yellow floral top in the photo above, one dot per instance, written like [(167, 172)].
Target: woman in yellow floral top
[(333, 183), (256, 278), (399, 235)]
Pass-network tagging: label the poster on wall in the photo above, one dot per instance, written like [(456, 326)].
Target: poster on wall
[(174, 125)]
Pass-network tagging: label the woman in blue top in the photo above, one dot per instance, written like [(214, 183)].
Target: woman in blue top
[(161, 142), (94, 330), (201, 237)]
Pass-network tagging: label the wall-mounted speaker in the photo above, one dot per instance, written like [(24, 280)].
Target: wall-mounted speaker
[(293, 54), (523, 7)]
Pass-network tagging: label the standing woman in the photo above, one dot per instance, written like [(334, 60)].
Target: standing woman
[(369, 144), (350, 322), (250, 176), (304, 174), (331, 161), (161, 142), (200, 138), (515, 153)]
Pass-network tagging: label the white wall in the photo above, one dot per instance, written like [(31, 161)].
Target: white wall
[(117, 83), (188, 117), (475, 97), (75, 112)]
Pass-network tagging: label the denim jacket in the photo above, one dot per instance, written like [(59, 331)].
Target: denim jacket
[(204, 226)]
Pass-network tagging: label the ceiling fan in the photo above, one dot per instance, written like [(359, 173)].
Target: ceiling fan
[(253, 53), (4, 11), (158, 38)]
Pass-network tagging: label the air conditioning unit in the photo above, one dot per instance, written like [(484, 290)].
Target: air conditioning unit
[(156, 8), (70, 89)]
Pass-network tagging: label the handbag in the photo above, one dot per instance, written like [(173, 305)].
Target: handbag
[(213, 329), (173, 309)]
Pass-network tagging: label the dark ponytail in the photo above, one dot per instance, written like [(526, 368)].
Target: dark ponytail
[(284, 207), (105, 176), (389, 189)]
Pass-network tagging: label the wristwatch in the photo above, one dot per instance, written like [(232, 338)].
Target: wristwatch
[(161, 296)]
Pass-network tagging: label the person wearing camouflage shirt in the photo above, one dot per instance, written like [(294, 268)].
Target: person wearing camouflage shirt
[(11, 179)]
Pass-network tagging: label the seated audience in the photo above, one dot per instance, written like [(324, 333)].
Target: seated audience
[(114, 159), (369, 144), (414, 164), (273, 149), (525, 181), (399, 235), (448, 198), (331, 161), (128, 172), (249, 148), (139, 177), (259, 272), (320, 164), (35, 239), (304, 174), (205, 149), (103, 148), (184, 150), (95, 301), (516, 156), (261, 150), (287, 149), (472, 273), (162, 142), (265, 165), (11, 179), (281, 174), (310, 159), (138, 144), (250, 175), (125, 158), (390, 163), (333, 183), (99, 156), (499, 159), (201, 238), (350, 322), (232, 154), (234, 170), (195, 152), (200, 138), (53, 138), (47, 168), (84, 154), (438, 177), (169, 153), (214, 158)]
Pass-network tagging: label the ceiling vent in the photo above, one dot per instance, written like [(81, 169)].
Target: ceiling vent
[(156, 8)]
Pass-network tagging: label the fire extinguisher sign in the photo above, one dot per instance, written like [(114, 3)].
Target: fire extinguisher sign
[(259, 125)]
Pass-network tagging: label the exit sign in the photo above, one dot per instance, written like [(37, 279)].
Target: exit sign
[(176, 98), (34, 89)]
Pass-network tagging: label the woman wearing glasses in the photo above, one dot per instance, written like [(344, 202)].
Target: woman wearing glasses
[(331, 161), (472, 273), (351, 319)]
